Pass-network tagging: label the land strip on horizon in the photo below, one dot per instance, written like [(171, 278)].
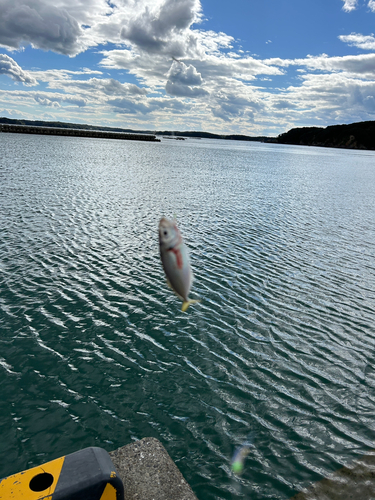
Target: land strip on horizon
[(359, 135)]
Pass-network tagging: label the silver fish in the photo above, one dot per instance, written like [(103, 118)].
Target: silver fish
[(175, 259)]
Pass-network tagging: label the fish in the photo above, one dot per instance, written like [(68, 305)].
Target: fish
[(240, 454), (175, 260)]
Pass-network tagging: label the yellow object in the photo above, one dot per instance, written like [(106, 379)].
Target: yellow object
[(187, 303), (33, 484), (109, 493), (87, 474)]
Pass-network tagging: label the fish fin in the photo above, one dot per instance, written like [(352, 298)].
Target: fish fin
[(169, 284), (187, 303)]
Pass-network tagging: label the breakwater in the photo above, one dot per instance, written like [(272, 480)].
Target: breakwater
[(27, 129)]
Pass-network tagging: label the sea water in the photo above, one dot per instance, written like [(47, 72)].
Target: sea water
[(94, 350)]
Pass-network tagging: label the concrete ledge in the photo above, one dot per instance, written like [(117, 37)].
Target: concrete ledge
[(356, 481), (149, 473)]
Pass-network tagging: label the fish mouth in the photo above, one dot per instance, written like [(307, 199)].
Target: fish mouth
[(164, 224)]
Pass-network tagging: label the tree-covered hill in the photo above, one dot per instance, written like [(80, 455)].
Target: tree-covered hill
[(359, 135)]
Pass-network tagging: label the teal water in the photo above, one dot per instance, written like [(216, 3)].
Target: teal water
[(94, 350)]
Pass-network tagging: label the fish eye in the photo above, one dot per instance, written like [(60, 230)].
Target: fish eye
[(165, 232)]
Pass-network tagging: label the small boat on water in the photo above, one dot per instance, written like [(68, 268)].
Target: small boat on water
[(176, 138)]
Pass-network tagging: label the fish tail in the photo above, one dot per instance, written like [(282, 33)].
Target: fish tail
[(187, 303), (237, 467)]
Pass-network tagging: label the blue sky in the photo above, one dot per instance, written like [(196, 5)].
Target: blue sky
[(254, 67)]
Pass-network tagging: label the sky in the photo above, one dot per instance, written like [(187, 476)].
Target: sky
[(252, 67)]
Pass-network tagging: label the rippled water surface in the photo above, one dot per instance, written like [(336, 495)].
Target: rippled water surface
[(94, 350)]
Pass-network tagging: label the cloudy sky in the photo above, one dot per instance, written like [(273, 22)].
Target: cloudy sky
[(254, 67)]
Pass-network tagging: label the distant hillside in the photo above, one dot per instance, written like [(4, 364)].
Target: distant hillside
[(209, 135), (76, 126), (359, 135)]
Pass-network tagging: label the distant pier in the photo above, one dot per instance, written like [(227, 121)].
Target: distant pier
[(103, 134)]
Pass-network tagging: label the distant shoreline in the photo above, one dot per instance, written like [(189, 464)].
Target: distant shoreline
[(360, 135), (71, 132), (75, 129)]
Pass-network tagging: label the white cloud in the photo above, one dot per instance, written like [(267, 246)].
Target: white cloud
[(212, 84), (178, 90), (365, 42), (58, 75), (11, 113), (94, 87), (185, 75), (211, 42), (42, 25), (335, 96), (231, 106), (349, 5), (361, 65), (184, 81), (46, 102), (153, 70), (128, 106), (328, 90), (160, 26), (131, 106), (8, 66), (70, 27), (51, 99), (114, 87)]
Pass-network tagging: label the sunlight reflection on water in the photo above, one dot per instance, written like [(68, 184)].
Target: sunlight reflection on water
[(95, 349)]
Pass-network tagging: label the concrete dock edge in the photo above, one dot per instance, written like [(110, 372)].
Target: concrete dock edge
[(149, 473)]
